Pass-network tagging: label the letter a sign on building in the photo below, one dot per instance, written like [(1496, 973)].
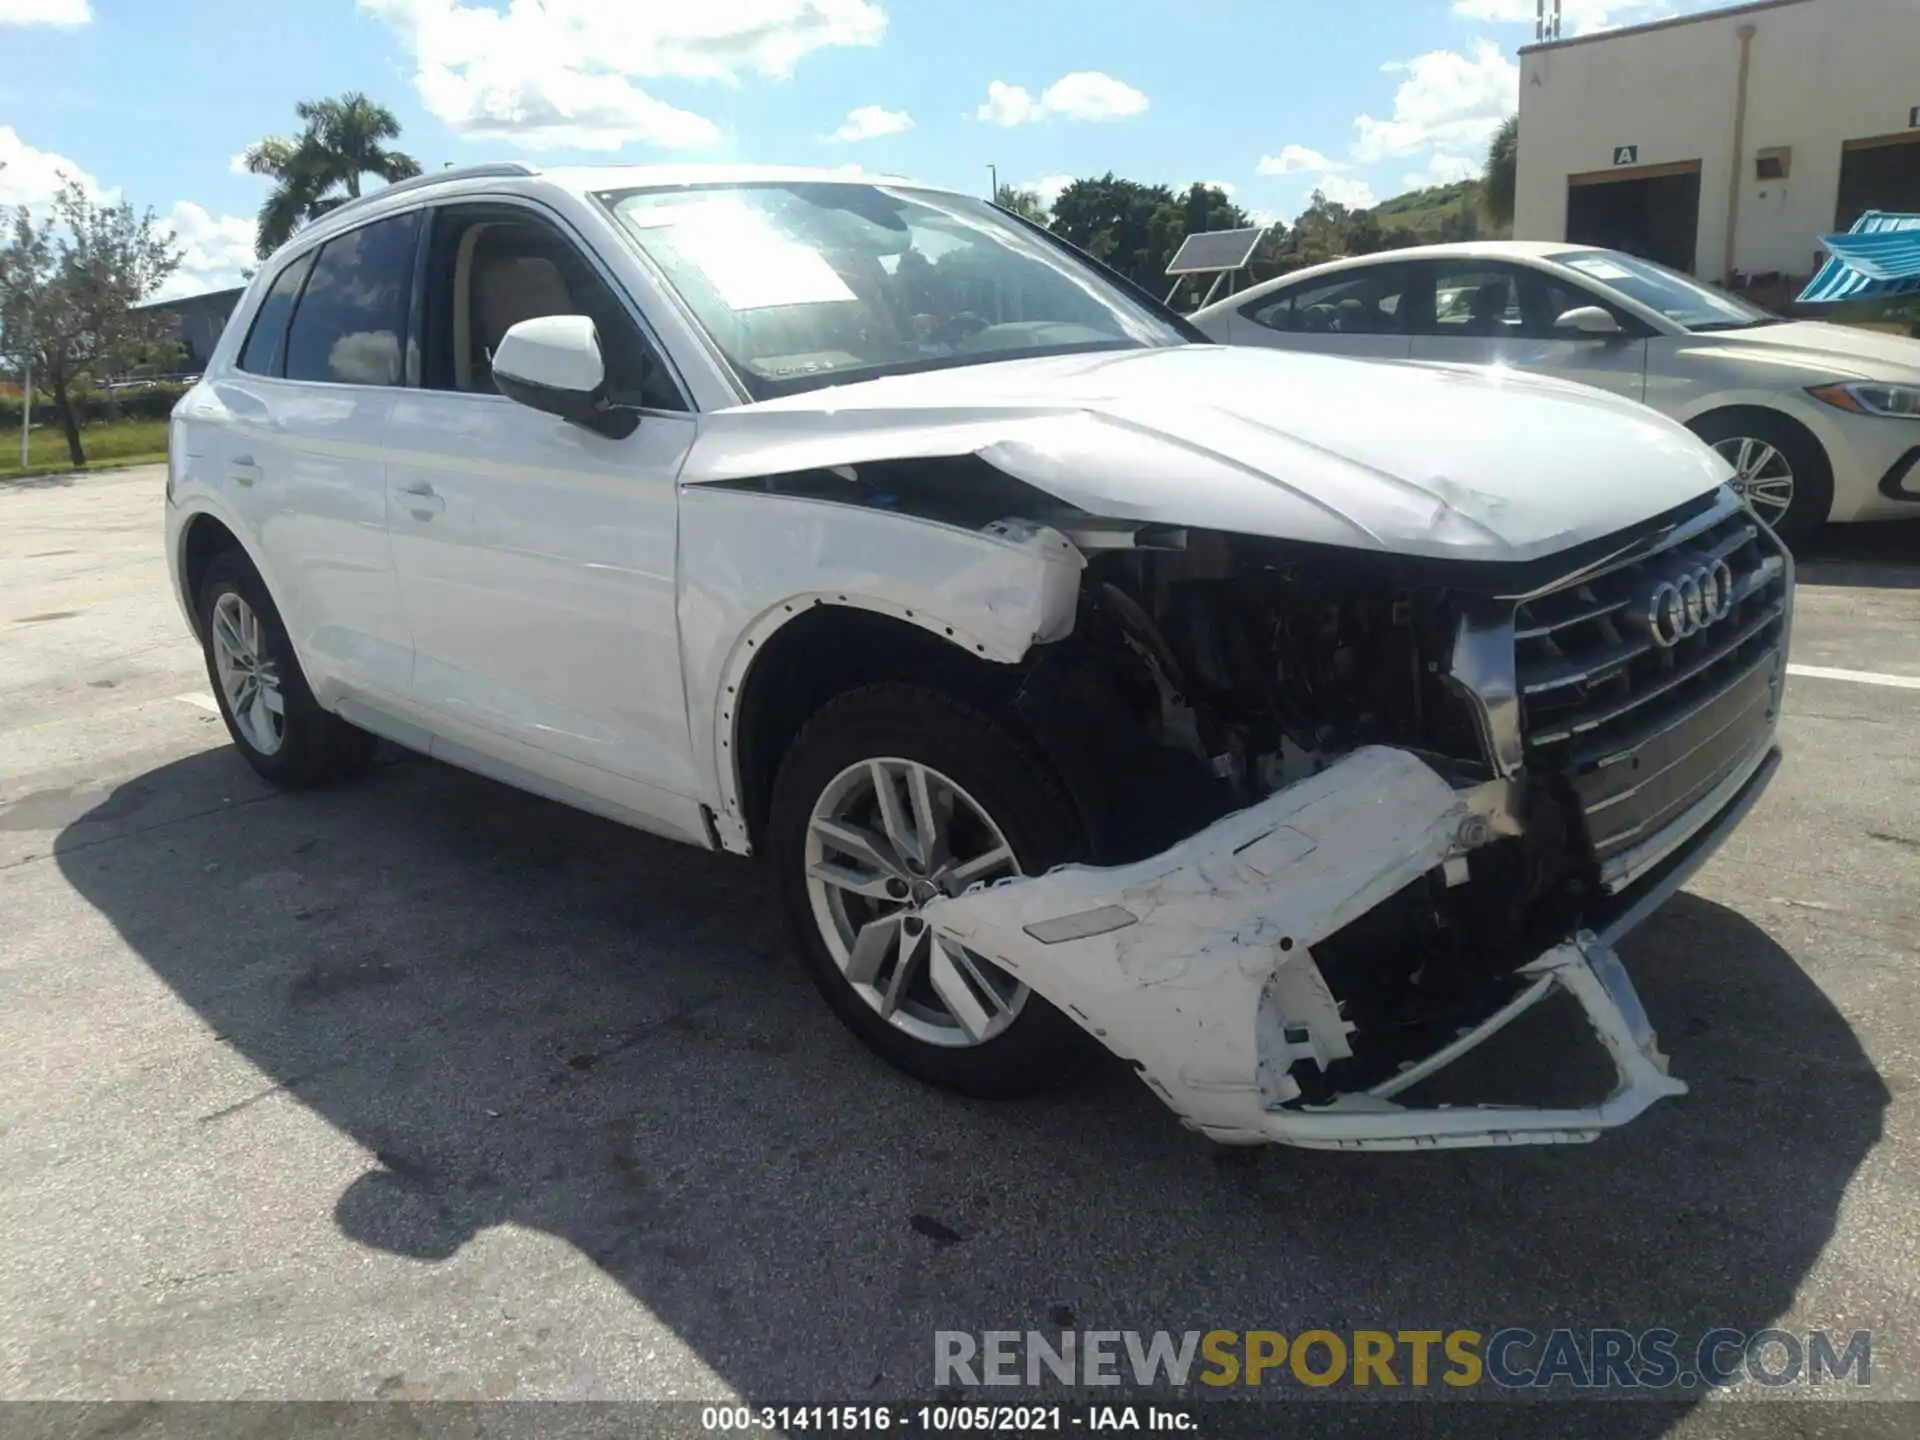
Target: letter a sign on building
[(1626, 154)]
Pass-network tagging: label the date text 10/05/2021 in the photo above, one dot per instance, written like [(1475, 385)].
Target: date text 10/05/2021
[(944, 1419)]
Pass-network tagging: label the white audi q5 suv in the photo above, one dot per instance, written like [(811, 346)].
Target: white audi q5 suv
[(1284, 724)]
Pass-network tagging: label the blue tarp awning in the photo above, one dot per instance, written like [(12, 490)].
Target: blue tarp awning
[(1879, 257)]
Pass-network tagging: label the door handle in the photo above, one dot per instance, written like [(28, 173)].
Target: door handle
[(242, 471), (422, 500)]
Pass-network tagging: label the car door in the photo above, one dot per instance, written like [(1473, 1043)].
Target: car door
[(306, 410), (1490, 312), (1355, 312), (536, 558)]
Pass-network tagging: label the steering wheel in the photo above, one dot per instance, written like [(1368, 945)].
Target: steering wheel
[(957, 329)]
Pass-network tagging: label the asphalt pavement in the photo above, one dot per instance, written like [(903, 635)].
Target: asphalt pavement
[(421, 1088)]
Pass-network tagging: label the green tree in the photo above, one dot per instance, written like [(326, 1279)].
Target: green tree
[(1497, 177), (1112, 220), (319, 169), (1024, 203), (68, 285)]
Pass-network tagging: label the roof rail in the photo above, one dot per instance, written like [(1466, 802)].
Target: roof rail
[(492, 168)]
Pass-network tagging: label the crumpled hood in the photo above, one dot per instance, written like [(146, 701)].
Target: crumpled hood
[(1835, 352), (1449, 462)]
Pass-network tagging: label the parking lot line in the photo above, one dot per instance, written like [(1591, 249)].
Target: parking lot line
[(1857, 677), (201, 702)]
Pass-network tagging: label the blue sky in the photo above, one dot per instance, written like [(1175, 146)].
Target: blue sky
[(1272, 98)]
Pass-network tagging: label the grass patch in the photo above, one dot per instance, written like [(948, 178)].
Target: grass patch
[(122, 442)]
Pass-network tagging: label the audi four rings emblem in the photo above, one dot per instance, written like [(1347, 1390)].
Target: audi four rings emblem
[(1687, 604)]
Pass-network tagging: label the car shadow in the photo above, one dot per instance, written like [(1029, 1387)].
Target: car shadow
[(534, 1017), (1884, 555)]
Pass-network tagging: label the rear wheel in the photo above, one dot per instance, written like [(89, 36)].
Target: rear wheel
[(270, 712), (1779, 469), (893, 795)]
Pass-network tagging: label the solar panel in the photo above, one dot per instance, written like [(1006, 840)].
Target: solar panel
[(1213, 250)]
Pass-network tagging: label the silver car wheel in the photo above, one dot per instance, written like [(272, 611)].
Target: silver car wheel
[(886, 836), (1762, 475), (249, 680)]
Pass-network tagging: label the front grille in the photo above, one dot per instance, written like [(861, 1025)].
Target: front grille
[(1647, 734)]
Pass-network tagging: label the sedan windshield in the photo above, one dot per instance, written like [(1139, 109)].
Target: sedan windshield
[(1680, 298), (802, 285)]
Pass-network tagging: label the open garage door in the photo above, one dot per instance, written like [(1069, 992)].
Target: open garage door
[(1652, 211), (1878, 174)]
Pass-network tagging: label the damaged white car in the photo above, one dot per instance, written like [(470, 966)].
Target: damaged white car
[(1286, 724)]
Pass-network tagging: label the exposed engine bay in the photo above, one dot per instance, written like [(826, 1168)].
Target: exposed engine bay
[(1206, 672)]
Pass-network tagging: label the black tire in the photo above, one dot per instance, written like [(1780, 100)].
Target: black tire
[(316, 748), (1812, 471), (1023, 797)]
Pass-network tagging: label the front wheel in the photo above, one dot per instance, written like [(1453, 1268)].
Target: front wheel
[(1780, 470), (892, 795)]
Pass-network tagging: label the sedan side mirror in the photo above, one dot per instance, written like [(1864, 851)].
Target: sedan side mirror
[(1590, 321), (552, 363)]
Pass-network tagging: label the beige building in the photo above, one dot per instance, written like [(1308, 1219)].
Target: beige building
[(1723, 143)]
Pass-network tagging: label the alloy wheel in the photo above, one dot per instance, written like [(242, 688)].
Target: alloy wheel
[(1762, 475), (249, 679), (885, 837)]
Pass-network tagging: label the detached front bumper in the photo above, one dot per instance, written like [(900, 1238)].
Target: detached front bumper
[(1197, 965)]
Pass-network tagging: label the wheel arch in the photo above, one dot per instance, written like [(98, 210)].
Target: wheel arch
[(203, 536), (801, 654)]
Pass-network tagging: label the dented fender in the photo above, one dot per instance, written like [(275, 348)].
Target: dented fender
[(752, 562)]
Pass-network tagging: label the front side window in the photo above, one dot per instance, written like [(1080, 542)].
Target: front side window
[(350, 327), (266, 347), (1353, 302), (801, 285), (489, 268), (1680, 298), (1476, 300)]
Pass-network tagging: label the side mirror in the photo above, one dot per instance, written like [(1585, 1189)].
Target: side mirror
[(1593, 322), (552, 363)]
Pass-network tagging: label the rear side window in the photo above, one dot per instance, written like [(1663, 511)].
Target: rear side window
[(1362, 302), (350, 327), (266, 345)]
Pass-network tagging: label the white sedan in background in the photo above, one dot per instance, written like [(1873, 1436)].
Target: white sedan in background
[(1820, 422)]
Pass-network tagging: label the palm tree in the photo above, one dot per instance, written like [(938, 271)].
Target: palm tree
[(1497, 178), (341, 142), (1024, 203)]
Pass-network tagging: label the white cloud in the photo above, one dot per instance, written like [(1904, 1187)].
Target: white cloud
[(1008, 105), (1448, 101), (1048, 187), (1577, 17), (870, 122), (1225, 187), (1347, 190), (45, 12), (1441, 169), (1090, 95), (1082, 95), (216, 248), (31, 177), (563, 74), (237, 163), (1298, 159)]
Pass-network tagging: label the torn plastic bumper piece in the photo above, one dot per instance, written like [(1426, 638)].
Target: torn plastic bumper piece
[(1196, 964)]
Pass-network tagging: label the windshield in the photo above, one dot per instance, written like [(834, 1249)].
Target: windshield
[(1680, 298), (803, 285)]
